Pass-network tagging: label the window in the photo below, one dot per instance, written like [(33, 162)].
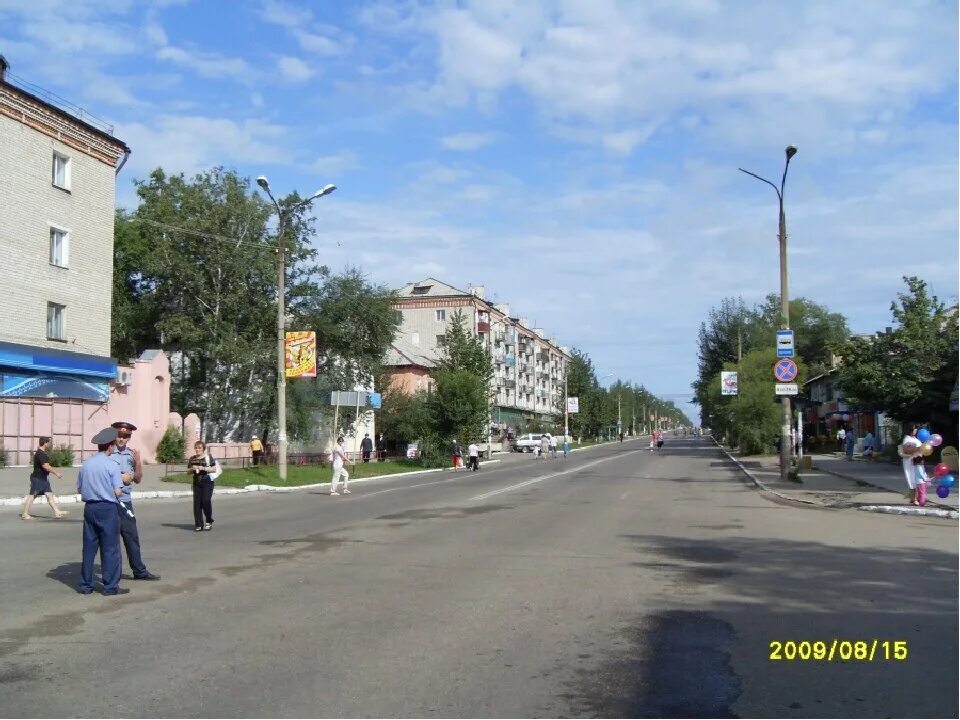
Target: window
[(55, 322), (441, 315), (421, 289), (415, 338), (61, 171), (398, 315), (58, 247), (439, 339)]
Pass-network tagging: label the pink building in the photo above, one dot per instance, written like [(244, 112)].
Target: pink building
[(140, 395)]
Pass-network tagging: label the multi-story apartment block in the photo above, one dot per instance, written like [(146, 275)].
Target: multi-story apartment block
[(529, 368), (58, 169)]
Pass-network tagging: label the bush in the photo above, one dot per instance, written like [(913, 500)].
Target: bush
[(3, 456), (435, 453), (61, 456), (172, 446)]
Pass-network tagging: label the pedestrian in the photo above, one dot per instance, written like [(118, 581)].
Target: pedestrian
[(566, 445), (339, 460), (909, 447), (206, 469), (100, 486), (841, 437), (40, 481), (456, 455), (131, 471), (473, 456), (621, 436), (850, 439), (920, 475), (544, 446), (868, 448), (381, 448), (366, 447), (653, 439), (552, 442), (256, 450)]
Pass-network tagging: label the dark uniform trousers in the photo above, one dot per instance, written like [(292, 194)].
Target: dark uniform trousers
[(101, 530), (131, 539)]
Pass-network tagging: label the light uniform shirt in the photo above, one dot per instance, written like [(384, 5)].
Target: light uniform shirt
[(98, 477), (125, 461)]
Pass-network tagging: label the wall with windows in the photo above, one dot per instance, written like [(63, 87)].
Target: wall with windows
[(56, 238)]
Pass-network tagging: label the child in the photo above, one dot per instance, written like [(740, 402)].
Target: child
[(922, 480)]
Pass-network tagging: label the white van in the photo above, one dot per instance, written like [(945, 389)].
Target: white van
[(526, 442)]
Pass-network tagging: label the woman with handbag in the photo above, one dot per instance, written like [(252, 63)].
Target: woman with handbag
[(205, 470)]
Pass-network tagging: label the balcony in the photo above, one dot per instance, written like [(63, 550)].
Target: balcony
[(483, 327), (510, 384)]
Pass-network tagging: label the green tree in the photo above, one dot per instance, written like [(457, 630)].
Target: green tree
[(458, 405), (196, 276), (460, 349), (816, 330), (910, 372), (752, 418)]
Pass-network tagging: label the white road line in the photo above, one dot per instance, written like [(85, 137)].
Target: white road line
[(490, 494), (410, 487), (624, 496)]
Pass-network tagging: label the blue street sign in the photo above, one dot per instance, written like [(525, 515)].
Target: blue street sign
[(785, 370), (785, 343)]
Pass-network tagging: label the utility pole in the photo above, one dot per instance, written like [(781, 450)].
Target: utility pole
[(785, 444), (281, 316)]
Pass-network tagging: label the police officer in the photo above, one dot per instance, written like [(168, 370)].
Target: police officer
[(100, 486), (131, 471)]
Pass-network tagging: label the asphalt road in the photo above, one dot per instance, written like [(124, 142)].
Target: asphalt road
[(616, 583)]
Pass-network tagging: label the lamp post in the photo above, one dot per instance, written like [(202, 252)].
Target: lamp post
[(281, 315), (785, 443)]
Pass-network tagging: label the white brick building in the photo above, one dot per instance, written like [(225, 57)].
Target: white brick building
[(529, 368), (57, 196)]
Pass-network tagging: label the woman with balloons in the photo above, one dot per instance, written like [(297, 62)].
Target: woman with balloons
[(919, 442)]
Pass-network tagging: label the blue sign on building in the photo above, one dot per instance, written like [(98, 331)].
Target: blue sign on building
[(27, 371)]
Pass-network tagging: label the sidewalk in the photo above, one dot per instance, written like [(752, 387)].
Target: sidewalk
[(834, 482)]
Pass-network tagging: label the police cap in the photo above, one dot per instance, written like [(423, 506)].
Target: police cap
[(124, 428), (105, 436)]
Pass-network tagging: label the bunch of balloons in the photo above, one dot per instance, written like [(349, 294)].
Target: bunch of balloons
[(928, 441), (947, 481)]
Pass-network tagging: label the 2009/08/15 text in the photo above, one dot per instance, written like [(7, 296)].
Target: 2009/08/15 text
[(842, 650)]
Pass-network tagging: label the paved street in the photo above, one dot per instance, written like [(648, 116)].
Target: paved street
[(616, 583)]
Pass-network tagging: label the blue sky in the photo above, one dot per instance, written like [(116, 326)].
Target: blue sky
[(579, 159)]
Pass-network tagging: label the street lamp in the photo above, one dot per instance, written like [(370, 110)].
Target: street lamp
[(281, 315), (785, 443)]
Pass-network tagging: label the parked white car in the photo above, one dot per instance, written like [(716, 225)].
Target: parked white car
[(526, 443)]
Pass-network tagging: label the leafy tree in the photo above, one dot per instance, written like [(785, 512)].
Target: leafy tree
[(752, 418), (816, 330), (172, 446), (196, 275), (910, 372), (458, 405), (460, 349), (723, 337)]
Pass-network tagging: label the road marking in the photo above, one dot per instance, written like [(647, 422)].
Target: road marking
[(410, 487), (534, 481), (624, 496)]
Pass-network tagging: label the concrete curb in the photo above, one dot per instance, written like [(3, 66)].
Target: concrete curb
[(888, 509), (167, 494), (923, 512)]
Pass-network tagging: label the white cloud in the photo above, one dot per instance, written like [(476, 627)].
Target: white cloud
[(468, 140), (295, 69), (331, 166), (207, 64)]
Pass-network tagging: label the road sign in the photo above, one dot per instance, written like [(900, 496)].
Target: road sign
[(785, 343), (787, 389), (785, 370)]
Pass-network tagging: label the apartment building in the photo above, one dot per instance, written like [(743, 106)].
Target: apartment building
[(529, 367), (58, 169)]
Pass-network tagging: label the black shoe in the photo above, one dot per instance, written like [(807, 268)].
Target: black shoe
[(118, 591), (146, 576), (85, 591)]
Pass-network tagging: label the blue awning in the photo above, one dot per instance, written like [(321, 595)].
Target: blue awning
[(26, 357)]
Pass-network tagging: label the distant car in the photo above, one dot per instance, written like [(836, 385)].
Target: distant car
[(526, 443)]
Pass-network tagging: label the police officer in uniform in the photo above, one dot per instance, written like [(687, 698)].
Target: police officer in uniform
[(131, 471), (100, 486)]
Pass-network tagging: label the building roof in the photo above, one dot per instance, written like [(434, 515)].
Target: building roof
[(402, 353), (430, 287)]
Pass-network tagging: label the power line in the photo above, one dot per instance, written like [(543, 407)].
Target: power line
[(204, 235)]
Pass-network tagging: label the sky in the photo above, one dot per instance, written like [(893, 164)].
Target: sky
[(579, 159)]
